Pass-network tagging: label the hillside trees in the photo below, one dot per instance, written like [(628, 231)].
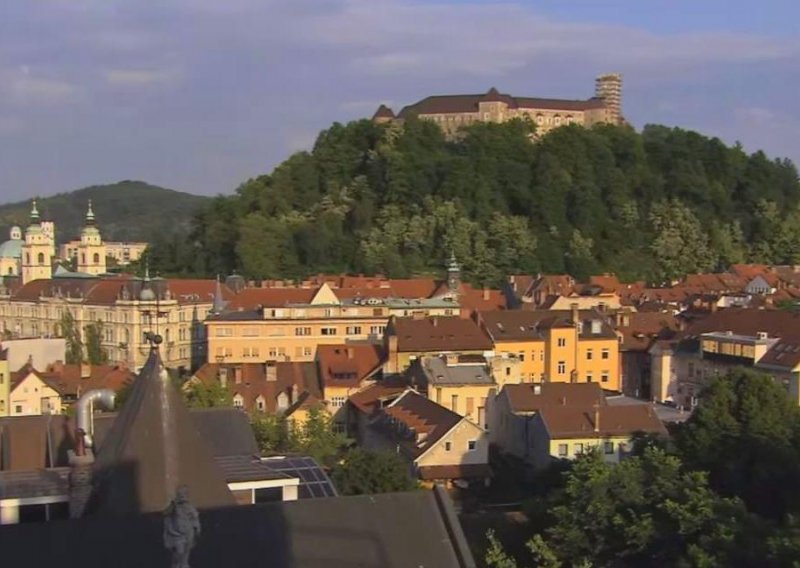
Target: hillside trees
[(399, 198)]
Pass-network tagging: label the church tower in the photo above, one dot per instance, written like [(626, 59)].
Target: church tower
[(91, 251), (37, 252)]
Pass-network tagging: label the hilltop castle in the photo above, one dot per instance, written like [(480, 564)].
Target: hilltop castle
[(451, 112)]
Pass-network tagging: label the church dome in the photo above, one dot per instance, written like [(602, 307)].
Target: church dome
[(12, 248)]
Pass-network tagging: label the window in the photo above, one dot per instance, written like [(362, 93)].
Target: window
[(472, 445), (448, 446), (353, 330), (238, 401), (377, 329), (338, 401), (589, 377), (521, 356), (608, 447), (604, 377), (18, 409), (96, 258), (578, 449), (563, 450), (377, 312), (249, 331), (604, 353), (562, 367), (224, 332), (562, 341), (589, 354), (328, 331), (306, 351), (302, 331), (41, 258), (454, 403)]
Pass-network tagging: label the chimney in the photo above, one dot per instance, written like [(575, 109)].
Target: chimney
[(537, 389), (575, 313), (351, 353), (596, 417), (237, 375), (295, 394), (57, 367), (271, 371), (486, 294), (80, 476), (563, 401), (86, 370)]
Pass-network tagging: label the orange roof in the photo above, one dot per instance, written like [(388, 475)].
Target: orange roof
[(250, 298), (348, 365), (607, 282), (374, 396), (481, 299), (646, 327), (564, 422), (69, 380)]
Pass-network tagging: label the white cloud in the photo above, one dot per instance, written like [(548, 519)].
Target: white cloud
[(27, 89)]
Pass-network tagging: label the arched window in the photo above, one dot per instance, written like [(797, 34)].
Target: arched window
[(41, 258), (557, 120), (96, 258), (539, 119), (27, 258), (10, 270)]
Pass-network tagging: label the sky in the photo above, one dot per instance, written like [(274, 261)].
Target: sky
[(200, 95)]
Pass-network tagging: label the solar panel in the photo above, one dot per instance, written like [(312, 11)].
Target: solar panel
[(314, 482)]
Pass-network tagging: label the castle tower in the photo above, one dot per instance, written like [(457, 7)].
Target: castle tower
[(37, 252), (609, 88), (92, 250)]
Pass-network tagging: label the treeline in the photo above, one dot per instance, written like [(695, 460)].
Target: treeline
[(398, 199), (721, 492)]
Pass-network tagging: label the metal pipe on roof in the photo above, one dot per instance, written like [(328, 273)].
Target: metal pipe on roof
[(84, 408)]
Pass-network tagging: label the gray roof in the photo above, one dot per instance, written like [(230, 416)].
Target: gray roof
[(152, 448), (247, 468), (395, 530), (438, 372), (36, 483)]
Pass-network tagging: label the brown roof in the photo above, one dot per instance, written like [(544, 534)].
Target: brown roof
[(69, 379), (153, 447), (383, 112), (250, 298), (422, 417), (524, 398), (570, 422), (646, 327), (606, 282), (348, 365), (481, 298), (520, 325), (438, 334), (249, 380), (372, 398), (34, 442), (462, 471), (444, 104)]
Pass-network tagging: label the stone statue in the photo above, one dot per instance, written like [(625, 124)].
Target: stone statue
[(181, 528)]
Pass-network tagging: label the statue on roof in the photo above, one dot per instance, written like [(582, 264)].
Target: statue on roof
[(181, 528)]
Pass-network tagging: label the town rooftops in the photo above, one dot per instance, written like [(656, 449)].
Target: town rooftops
[(564, 422), (438, 371), (348, 365), (527, 398), (438, 334), (533, 325), (72, 380), (393, 530), (416, 423), (376, 396)]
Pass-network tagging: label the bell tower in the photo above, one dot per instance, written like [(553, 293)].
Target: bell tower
[(37, 252), (92, 250)]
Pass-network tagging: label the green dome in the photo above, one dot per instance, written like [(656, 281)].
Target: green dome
[(11, 249)]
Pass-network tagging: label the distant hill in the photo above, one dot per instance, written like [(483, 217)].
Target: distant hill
[(125, 211)]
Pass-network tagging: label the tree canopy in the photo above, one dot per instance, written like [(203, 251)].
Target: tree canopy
[(362, 472), (398, 198)]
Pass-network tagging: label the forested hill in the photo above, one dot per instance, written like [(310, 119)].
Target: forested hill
[(128, 210), (398, 199)]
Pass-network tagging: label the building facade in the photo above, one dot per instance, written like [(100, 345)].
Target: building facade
[(452, 112)]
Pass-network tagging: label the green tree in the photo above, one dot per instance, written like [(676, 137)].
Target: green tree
[(318, 438), (68, 329), (202, 395), (271, 433), (362, 472), (680, 245), (96, 354), (746, 433)]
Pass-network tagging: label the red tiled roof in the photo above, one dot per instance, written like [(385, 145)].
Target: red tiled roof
[(443, 104), (563, 422), (427, 419), (646, 327), (370, 399), (68, 380), (523, 397), (438, 334), (481, 299), (348, 365)]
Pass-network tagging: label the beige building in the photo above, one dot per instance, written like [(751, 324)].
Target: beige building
[(452, 112), (126, 309), (123, 253), (5, 382)]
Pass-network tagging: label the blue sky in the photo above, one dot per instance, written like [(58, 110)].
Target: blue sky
[(199, 95)]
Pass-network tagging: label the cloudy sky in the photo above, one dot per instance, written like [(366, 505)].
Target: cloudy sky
[(199, 95)]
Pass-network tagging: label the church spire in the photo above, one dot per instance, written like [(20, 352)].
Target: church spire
[(90, 220), (34, 212)]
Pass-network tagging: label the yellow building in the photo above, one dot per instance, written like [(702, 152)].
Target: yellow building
[(126, 308), (37, 250), (452, 112), (557, 346), (289, 324), (33, 394), (123, 253), (408, 339), (91, 250), (566, 432)]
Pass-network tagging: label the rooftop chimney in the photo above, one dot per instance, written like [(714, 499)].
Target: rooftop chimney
[(435, 321), (295, 394), (596, 417), (80, 476), (575, 313), (486, 294), (537, 389)]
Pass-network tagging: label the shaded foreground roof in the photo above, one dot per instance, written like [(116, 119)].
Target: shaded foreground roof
[(605, 421), (395, 530), (523, 397), (153, 448)]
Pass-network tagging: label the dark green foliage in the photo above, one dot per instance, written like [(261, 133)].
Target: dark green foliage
[(361, 472), (95, 352), (397, 199), (126, 211), (316, 437), (68, 329), (201, 395)]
